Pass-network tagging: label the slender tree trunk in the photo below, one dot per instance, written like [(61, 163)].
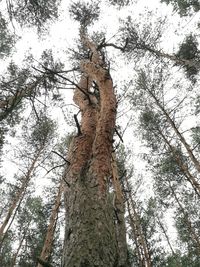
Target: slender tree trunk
[(136, 226), (191, 230), (140, 255), (183, 167), (168, 240), (19, 247), (47, 247), (92, 236), (19, 195), (180, 136), (177, 60)]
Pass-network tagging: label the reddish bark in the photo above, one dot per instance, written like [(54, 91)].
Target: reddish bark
[(48, 243), (92, 237)]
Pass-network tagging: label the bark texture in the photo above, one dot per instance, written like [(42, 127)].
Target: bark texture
[(95, 229), (142, 248), (48, 243), (19, 195)]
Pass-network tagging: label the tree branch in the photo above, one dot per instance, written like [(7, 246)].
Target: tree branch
[(119, 135), (44, 263), (61, 157), (77, 124)]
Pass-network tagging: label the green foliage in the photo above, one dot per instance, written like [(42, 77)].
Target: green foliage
[(141, 37), (12, 84), (7, 40), (196, 137), (85, 13), (168, 164), (120, 3), (43, 132), (150, 123), (49, 62), (6, 252), (34, 12), (189, 50), (191, 257), (184, 7), (32, 223)]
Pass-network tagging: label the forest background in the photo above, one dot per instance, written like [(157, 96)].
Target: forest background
[(151, 51)]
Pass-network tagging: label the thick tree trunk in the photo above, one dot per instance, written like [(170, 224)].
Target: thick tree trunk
[(94, 218)]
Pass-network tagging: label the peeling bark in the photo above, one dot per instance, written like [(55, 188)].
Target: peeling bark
[(92, 235)]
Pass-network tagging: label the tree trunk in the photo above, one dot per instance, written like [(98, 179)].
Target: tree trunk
[(191, 229), (47, 247), (20, 194), (135, 223), (183, 167), (140, 255), (191, 155), (92, 235), (19, 247), (176, 59), (178, 264)]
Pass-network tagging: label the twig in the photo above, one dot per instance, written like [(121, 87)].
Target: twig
[(61, 157), (73, 83), (66, 182), (77, 124), (122, 48), (61, 165), (118, 134)]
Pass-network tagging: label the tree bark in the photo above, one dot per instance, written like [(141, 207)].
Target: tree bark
[(183, 167), (135, 223), (92, 235), (20, 194), (19, 247), (176, 59), (188, 222), (191, 155), (47, 247)]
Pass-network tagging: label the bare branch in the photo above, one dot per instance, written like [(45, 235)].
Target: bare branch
[(77, 124), (61, 157)]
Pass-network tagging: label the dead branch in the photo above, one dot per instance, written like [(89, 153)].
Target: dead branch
[(61, 157), (77, 124), (119, 135)]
